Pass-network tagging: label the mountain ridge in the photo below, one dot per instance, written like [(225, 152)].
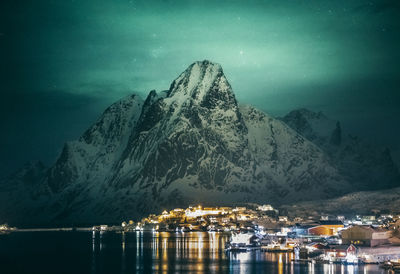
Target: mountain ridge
[(367, 166), (192, 143)]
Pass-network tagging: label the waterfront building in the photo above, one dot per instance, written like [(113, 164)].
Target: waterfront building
[(379, 254), (326, 228), (340, 252), (366, 236)]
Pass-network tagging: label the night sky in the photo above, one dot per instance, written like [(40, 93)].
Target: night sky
[(64, 62)]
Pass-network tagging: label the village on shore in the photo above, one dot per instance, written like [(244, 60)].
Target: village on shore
[(325, 238)]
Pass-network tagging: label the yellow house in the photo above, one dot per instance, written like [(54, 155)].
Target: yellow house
[(326, 228)]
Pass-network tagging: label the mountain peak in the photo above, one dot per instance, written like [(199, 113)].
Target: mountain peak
[(198, 79), (207, 64)]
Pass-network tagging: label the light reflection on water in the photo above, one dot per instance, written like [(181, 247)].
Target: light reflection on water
[(203, 252), (145, 252)]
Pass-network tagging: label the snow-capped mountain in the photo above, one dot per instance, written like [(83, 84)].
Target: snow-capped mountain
[(190, 144), (367, 167)]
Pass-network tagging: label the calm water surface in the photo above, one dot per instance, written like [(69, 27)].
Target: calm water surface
[(137, 252)]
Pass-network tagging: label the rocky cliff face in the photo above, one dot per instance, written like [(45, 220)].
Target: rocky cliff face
[(190, 144)]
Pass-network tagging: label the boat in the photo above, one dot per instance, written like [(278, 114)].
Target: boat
[(276, 248), (272, 243), (391, 265), (243, 242)]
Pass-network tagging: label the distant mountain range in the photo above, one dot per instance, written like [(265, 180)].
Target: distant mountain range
[(386, 201), (193, 143), (365, 166)]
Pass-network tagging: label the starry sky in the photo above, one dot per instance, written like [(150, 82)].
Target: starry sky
[(64, 62)]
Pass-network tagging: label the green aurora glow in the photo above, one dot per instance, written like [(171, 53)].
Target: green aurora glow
[(65, 61)]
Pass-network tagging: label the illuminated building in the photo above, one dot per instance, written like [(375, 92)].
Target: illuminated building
[(366, 236), (341, 252), (326, 228), (283, 219), (239, 209), (265, 208)]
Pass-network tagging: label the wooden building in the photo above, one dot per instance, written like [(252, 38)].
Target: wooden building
[(366, 236), (326, 228)]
